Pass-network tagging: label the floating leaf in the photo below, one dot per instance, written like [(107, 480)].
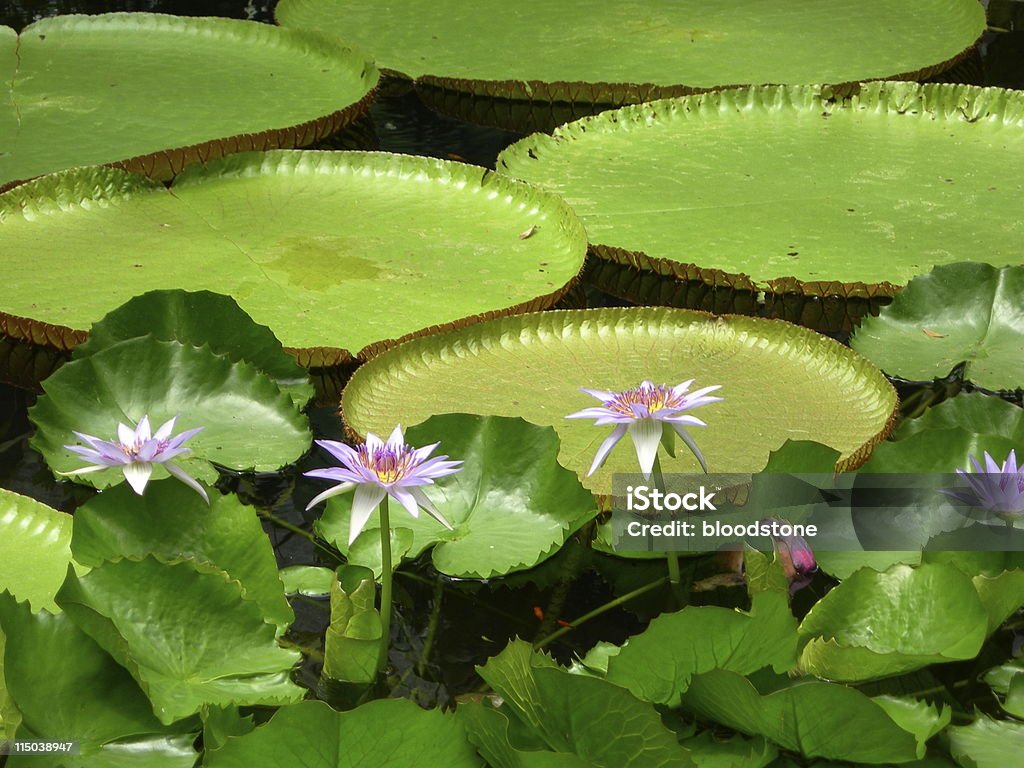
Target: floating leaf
[(987, 743), (511, 505), (185, 632), (201, 318), (35, 549), (333, 251), (1008, 681), (816, 191), (880, 624), (352, 646), (64, 684), (974, 412), (534, 52), (710, 751), (818, 719), (533, 366), (657, 664), (172, 522), (248, 423), (393, 732), (979, 311), (72, 101), (309, 580), (604, 725)]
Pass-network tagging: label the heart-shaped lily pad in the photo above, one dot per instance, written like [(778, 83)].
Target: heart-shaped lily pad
[(591, 53), (248, 423), (333, 251), (511, 505), (804, 190), (779, 382), (971, 313), (196, 89)]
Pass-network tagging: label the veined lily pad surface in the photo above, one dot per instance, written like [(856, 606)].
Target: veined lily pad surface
[(584, 49), (779, 382), (195, 89), (795, 189), (333, 251)]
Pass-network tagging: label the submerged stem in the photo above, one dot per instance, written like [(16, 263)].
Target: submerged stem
[(435, 618), (671, 557), (386, 576), (599, 610)]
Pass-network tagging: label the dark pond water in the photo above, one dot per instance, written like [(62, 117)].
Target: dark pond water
[(442, 627)]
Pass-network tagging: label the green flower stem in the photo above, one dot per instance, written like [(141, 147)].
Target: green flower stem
[(386, 576), (435, 618), (598, 611), (672, 558)]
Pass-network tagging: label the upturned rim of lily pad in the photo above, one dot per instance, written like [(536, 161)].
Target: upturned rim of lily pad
[(165, 164)]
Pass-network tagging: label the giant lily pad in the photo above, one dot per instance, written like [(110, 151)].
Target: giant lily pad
[(971, 313), (196, 89), (592, 52), (779, 382), (805, 190), (333, 251)]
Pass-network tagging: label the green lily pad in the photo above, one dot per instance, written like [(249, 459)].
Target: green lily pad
[(971, 313), (171, 521), (197, 89), (779, 382), (880, 624), (393, 732), (657, 664), (185, 632), (712, 751), (63, 684), (334, 251), (309, 580), (550, 710), (819, 719), (199, 319), (594, 53), (1007, 680), (974, 412), (805, 190), (987, 743), (35, 548), (511, 505), (248, 423)]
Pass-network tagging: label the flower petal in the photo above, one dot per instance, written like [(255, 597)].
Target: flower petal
[(397, 438), (606, 447), (166, 430), (84, 470), (143, 431), (423, 501), (335, 491), (687, 438), (125, 434), (406, 499), (137, 474), (187, 479), (373, 443), (367, 497), (646, 434), (346, 454)]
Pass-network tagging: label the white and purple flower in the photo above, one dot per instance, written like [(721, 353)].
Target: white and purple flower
[(994, 488), (645, 412), (136, 451), (377, 469)]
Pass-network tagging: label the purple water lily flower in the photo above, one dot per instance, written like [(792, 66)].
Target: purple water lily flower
[(996, 489), (136, 451), (645, 412), (377, 469), (797, 558)]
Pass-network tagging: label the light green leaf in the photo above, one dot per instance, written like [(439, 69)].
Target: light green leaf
[(334, 251), (263, 87), (511, 505), (972, 313), (987, 743), (815, 719), (710, 751), (975, 412), (172, 522), (248, 423), (353, 644), (309, 580), (35, 548), (185, 632), (880, 624), (392, 732), (533, 366)]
